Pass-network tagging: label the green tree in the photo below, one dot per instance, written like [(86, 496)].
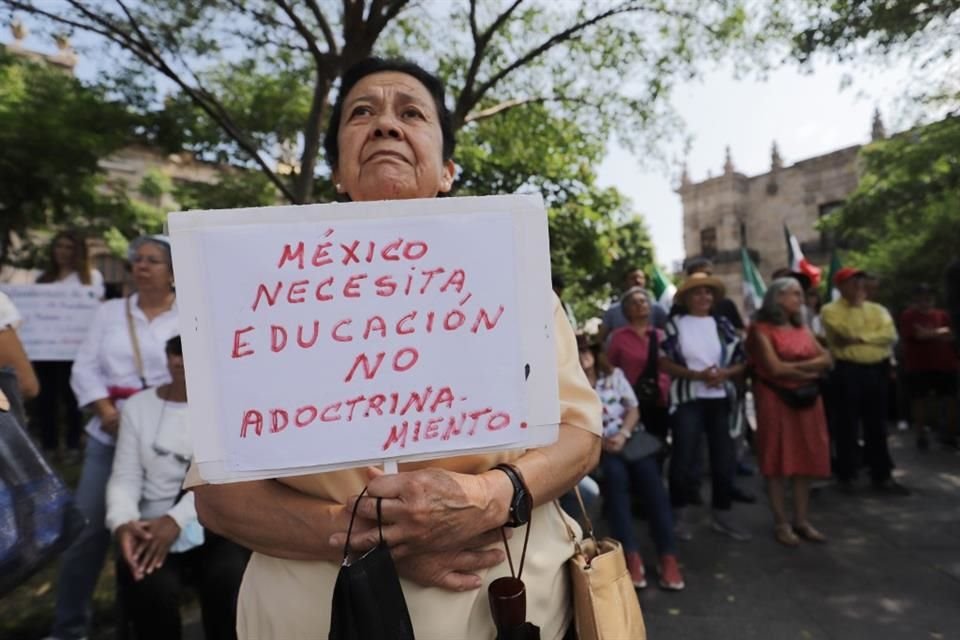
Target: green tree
[(903, 221), (53, 131), (496, 55)]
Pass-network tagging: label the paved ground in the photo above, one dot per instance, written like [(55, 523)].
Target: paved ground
[(890, 570)]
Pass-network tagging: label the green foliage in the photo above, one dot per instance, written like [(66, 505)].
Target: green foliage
[(53, 131), (234, 190), (903, 221)]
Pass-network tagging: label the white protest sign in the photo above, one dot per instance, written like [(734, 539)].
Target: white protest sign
[(330, 336), (56, 318)]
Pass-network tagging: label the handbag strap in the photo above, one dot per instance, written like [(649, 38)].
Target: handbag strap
[(583, 509), (135, 343), (523, 554), (650, 371)]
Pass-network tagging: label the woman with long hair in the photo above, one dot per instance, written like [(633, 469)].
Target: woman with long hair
[(792, 437), (68, 264)]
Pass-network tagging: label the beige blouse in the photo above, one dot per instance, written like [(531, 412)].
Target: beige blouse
[(290, 599)]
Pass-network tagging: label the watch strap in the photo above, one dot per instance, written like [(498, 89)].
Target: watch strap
[(519, 487)]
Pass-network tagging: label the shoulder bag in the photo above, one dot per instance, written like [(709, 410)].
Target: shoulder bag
[(646, 386), (605, 604), (802, 397), (38, 518)]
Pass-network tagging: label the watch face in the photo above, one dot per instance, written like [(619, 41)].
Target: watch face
[(524, 507)]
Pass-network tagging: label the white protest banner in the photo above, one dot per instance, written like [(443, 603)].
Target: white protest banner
[(56, 318), (331, 336)]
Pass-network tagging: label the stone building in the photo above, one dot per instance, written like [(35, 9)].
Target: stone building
[(725, 213)]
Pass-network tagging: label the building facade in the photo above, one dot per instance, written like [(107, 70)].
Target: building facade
[(731, 211)]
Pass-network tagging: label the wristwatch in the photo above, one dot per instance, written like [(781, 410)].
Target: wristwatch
[(521, 504)]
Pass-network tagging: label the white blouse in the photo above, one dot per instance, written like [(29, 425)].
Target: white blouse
[(153, 453), (96, 281), (105, 358)]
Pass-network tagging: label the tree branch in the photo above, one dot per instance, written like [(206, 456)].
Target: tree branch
[(469, 98), (324, 26), (480, 42), (506, 105), (303, 30)]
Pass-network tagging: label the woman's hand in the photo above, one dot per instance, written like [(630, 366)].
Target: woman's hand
[(614, 443), (133, 538), (163, 532), (431, 510), (108, 414), (451, 570)]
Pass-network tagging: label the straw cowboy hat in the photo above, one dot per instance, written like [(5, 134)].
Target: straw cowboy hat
[(700, 279)]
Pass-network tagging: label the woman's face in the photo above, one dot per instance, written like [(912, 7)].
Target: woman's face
[(391, 145), (150, 268), (637, 308), (791, 299), (63, 253), (700, 300), (587, 359)]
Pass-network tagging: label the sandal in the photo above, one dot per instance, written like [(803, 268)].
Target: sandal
[(784, 534), (809, 533)]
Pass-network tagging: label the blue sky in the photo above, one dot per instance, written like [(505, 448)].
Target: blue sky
[(806, 113)]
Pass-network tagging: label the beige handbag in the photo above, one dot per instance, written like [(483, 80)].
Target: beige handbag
[(605, 604)]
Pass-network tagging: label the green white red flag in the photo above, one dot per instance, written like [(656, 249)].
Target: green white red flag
[(753, 286), (663, 287), (798, 262)]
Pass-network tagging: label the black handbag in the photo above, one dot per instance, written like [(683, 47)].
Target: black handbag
[(38, 518), (646, 387), (368, 602), (802, 397)]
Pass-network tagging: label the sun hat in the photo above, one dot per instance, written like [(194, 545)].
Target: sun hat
[(700, 279)]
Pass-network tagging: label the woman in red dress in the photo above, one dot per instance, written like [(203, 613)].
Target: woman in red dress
[(792, 437)]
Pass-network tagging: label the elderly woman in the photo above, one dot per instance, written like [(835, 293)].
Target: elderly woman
[(630, 349), (68, 264), (791, 428), (703, 355), (390, 137), (122, 354)]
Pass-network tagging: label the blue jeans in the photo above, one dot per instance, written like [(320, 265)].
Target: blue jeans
[(81, 564), (618, 473), (690, 420)]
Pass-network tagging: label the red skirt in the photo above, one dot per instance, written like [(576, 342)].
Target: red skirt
[(790, 442)]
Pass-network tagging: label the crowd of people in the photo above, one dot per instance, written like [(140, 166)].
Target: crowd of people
[(650, 406), (821, 378)]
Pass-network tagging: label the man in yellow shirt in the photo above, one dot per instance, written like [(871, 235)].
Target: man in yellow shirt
[(860, 336)]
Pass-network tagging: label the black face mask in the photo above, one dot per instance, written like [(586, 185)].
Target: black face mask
[(368, 602)]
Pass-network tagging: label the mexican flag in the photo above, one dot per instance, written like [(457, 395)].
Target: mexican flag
[(798, 263), (753, 286), (663, 288)]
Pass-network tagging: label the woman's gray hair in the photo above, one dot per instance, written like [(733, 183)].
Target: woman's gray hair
[(628, 296), (771, 311), (159, 240)]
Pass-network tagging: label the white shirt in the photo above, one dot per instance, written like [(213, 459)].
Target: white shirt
[(147, 473), (105, 358), (9, 316), (616, 396), (96, 281), (701, 349)]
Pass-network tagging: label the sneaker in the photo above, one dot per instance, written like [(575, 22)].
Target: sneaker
[(635, 567), (890, 487), (721, 524), (670, 577)]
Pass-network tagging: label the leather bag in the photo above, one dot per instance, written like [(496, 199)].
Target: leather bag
[(605, 604), (368, 602), (647, 387), (38, 518), (802, 397)]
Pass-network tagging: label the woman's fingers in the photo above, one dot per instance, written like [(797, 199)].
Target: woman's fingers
[(477, 560)]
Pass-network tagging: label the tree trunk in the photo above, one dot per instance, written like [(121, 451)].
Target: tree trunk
[(312, 133)]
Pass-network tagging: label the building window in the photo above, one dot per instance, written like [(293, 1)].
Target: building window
[(827, 238), (708, 242)]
